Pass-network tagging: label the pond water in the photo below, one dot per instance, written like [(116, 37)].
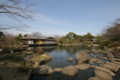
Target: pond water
[(59, 60)]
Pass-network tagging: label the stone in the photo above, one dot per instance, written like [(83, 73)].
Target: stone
[(83, 66), (70, 59), (91, 61), (81, 57), (110, 56), (102, 75), (94, 51), (103, 58), (93, 78), (112, 63), (87, 51), (43, 69), (115, 62), (57, 69), (92, 66), (95, 60), (70, 71), (100, 62), (111, 67), (104, 69)]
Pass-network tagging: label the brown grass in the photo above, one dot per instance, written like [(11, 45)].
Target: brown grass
[(12, 68)]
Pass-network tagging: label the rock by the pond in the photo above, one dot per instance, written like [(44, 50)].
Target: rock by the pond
[(100, 62), (115, 62), (91, 61), (70, 71), (43, 69), (111, 67), (93, 78), (57, 69), (104, 69), (103, 58), (70, 59), (92, 66), (81, 57), (102, 75), (83, 66), (110, 56), (87, 51), (94, 51), (112, 63), (95, 60)]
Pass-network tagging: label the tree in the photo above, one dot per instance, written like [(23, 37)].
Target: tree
[(70, 38), (19, 38), (88, 36), (71, 35), (57, 37), (99, 39), (112, 32), (7, 39), (16, 10), (37, 34), (1, 33), (2, 36)]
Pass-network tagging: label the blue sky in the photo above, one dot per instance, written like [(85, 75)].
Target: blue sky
[(58, 17)]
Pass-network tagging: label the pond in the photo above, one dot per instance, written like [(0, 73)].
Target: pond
[(59, 60)]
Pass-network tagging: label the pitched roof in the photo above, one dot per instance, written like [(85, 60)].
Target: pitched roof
[(37, 37)]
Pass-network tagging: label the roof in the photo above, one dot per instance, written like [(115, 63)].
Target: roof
[(37, 37)]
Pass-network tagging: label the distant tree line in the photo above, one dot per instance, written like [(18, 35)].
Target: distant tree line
[(73, 38), (110, 36)]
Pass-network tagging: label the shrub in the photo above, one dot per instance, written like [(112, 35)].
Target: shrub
[(5, 50), (87, 42), (17, 50), (114, 44), (105, 43)]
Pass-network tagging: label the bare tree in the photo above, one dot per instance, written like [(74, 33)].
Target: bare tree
[(37, 34), (113, 31), (8, 39), (16, 10), (57, 37)]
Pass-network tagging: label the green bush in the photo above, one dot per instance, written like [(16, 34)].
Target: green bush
[(87, 42), (105, 43)]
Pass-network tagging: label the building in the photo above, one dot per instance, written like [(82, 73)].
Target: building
[(38, 40)]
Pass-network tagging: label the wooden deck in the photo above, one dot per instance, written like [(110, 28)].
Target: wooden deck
[(42, 44)]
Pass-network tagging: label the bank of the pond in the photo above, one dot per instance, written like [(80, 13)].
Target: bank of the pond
[(12, 65)]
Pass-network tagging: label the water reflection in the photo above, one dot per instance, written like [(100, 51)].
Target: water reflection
[(82, 75), (61, 53)]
